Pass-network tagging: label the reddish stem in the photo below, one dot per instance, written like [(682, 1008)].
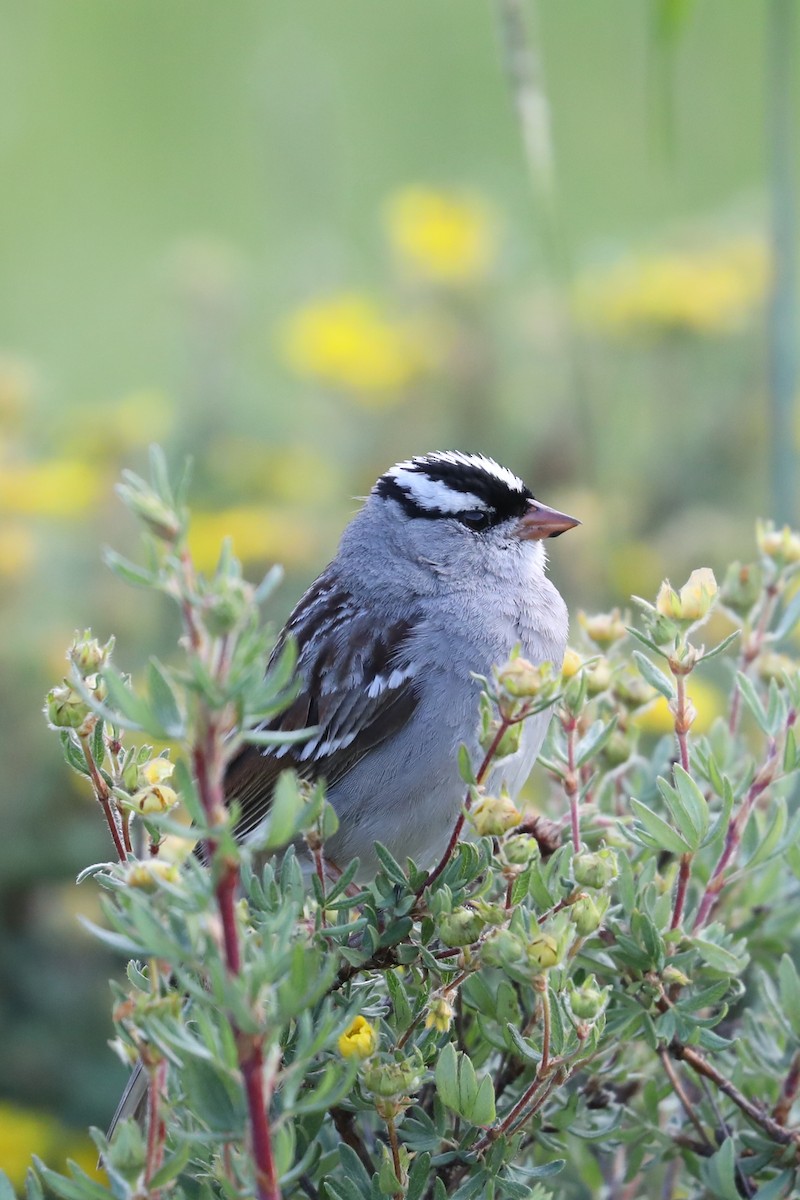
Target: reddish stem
[(252, 1066), (156, 1128), (684, 874), (505, 723), (733, 838), (571, 786), (103, 796)]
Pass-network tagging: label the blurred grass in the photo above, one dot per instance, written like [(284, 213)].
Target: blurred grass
[(298, 242)]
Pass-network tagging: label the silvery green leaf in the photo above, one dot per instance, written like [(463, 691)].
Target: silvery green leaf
[(654, 831), (657, 679)]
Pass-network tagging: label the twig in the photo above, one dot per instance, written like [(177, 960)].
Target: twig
[(156, 1127), (569, 724), (103, 796), (755, 1112), (503, 726), (681, 1093), (733, 836)]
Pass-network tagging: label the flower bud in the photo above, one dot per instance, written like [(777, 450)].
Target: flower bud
[(509, 742), (588, 1000), (493, 816), (224, 609), (781, 545), (440, 1015), (572, 664), (598, 677), (160, 519), (147, 874), (543, 951), (87, 654), (672, 975), (603, 628), (394, 1079), (618, 749), (694, 600), (521, 849), (521, 679), (359, 1040), (587, 914), (65, 708), (742, 587), (461, 927), (503, 948), (595, 869), (632, 691)]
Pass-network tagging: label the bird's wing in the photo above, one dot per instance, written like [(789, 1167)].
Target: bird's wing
[(357, 689)]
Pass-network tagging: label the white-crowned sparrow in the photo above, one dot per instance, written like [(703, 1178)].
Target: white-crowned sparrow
[(441, 574)]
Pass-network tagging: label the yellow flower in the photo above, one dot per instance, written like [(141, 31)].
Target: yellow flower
[(443, 236), (359, 1040), (492, 816), (440, 1015), (572, 663), (347, 341), (694, 600), (259, 534), (17, 551), (157, 770), (23, 1133), (58, 488), (706, 292)]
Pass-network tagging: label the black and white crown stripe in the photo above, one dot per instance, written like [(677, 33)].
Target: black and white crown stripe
[(448, 483)]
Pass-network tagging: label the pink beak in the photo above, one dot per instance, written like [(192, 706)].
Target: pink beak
[(543, 522)]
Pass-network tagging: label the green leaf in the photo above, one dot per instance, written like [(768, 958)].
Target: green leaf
[(418, 1176), (127, 571), (124, 707), (33, 1187), (720, 958), (391, 867), (172, 1168), (789, 985), (284, 813), (216, 1101), (522, 1046), (789, 619), (752, 700), (163, 703), (722, 647), (354, 1168), (654, 831), (657, 679), (465, 765), (6, 1190), (719, 1172), (778, 1188), (594, 741), (482, 1110)]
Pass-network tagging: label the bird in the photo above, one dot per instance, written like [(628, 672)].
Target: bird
[(439, 577)]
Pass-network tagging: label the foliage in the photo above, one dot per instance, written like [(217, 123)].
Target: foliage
[(611, 996)]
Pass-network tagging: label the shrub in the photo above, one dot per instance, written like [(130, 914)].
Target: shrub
[(606, 993)]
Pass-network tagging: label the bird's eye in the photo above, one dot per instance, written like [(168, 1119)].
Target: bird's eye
[(476, 519)]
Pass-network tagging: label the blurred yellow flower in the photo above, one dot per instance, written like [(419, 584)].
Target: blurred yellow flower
[(349, 342), (58, 488), (707, 700), (109, 431), (710, 291), (17, 550), (23, 1133), (359, 1040), (443, 236), (259, 534)]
